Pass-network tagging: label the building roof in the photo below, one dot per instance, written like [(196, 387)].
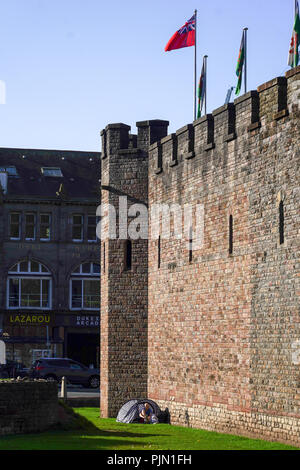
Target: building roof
[(78, 178)]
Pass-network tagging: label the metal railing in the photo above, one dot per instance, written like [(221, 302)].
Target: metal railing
[(29, 300), (86, 301)]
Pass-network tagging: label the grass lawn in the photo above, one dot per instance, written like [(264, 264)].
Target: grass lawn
[(106, 434)]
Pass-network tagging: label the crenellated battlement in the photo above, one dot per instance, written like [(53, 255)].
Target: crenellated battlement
[(250, 114), (243, 118), (116, 138)]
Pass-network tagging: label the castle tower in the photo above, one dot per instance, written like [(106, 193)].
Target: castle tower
[(124, 262)]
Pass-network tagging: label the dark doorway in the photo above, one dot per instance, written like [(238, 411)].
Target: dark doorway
[(84, 348)]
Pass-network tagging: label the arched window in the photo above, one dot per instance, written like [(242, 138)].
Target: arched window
[(85, 287), (29, 285)]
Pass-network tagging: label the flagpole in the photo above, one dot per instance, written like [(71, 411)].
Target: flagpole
[(205, 58), (295, 45), (195, 71), (245, 65)]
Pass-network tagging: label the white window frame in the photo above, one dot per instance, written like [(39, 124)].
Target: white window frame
[(90, 273), (39, 275), (88, 225), (35, 273), (19, 278), (78, 240), (87, 278), (50, 228), (80, 276), (20, 225), (34, 226)]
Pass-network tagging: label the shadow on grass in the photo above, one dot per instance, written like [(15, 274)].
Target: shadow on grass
[(76, 421)]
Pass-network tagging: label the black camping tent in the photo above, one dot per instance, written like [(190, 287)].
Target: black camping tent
[(129, 412)]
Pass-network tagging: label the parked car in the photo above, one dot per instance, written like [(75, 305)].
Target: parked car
[(56, 368), (13, 369)]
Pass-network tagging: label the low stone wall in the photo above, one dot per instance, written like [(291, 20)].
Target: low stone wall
[(285, 429), (27, 406)]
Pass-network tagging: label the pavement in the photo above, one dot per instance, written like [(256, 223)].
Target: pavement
[(78, 391)]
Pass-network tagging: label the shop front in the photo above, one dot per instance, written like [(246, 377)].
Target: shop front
[(29, 335), (81, 335)]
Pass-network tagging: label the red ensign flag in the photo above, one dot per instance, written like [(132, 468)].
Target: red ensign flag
[(184, 37)]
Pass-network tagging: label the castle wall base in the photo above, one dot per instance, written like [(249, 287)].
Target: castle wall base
[(285, 429)]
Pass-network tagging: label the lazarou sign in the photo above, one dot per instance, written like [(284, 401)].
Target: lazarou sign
[(30, 319)]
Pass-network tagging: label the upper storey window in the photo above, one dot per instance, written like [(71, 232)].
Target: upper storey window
[(30, 226), (51, 171), (45, 227), (77, 228), (85, 287), (91, 228), (84, 228), (35, 226), (15, 226), (28, 267), (29, 285)]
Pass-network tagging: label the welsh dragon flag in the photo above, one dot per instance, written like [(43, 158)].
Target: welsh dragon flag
[(201, 90), (240, 65), (295, 41)]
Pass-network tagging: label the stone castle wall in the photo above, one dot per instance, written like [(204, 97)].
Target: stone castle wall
[(228, 323), (220, 324)]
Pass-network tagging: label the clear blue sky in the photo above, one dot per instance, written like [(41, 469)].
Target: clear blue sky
[(73, 66)]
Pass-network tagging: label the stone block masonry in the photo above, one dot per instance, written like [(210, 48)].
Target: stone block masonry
[(27, 406), (221, 328), (124, 287)]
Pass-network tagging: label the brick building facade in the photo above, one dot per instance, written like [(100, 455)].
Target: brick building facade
[(49, 254), (213, 328)]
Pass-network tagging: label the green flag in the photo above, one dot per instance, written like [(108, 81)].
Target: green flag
[(201, 90), (295, 41), (240, 65)]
